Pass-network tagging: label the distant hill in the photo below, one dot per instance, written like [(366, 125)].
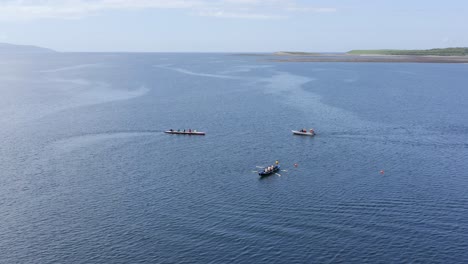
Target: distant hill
[(429, 52), (6, 48)]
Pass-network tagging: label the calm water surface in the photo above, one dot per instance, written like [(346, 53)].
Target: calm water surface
[(87, 176)]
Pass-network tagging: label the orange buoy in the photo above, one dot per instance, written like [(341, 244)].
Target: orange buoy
[(382, 172)]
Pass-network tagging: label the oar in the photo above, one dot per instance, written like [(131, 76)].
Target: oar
[(285, 170), (279, 175), (260, 167)]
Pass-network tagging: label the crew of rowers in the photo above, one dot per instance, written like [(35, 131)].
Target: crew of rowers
[(305, 131), (184, 131), (271, 168)]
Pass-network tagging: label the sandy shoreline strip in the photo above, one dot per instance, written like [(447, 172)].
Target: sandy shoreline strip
[(361, 58)]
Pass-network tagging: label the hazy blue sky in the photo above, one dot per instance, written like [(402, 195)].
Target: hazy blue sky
[(233, 25)]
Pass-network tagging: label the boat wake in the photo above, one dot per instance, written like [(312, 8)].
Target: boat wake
[(184, 71), (74, 67), (67, 94), (290, 88), (86, 140)]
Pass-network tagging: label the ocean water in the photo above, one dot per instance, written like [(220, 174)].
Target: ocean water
[(87, 176)]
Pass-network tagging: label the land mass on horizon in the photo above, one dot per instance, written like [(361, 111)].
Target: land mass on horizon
[(459, 51), (6, 48), (445, 55)]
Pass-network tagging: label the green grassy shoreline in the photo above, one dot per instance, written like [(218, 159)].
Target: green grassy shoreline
[(429, 52)]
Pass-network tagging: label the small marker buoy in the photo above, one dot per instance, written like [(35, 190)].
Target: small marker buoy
[(295, 165), (382, 172)]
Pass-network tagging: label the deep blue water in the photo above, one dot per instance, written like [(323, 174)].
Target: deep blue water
[(87, 176)]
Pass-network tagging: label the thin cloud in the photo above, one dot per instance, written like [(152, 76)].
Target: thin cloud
[(312, 9), (224, 14), (27, 10), (74, 9)]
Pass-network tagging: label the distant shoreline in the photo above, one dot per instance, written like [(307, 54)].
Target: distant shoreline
[(344, 57), (374, 58), (6, 48), (458, 51), (446, 55)]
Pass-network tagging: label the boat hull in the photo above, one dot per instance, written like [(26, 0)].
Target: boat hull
[(299, 133), (264, 174), (185, 133)]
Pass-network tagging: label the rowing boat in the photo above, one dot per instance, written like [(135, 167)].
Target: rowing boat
[(295, 132), (263, 173), (185, 133)]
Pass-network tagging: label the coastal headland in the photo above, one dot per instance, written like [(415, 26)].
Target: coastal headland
[(448, 55)]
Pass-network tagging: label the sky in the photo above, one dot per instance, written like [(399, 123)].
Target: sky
[(234, 25)]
